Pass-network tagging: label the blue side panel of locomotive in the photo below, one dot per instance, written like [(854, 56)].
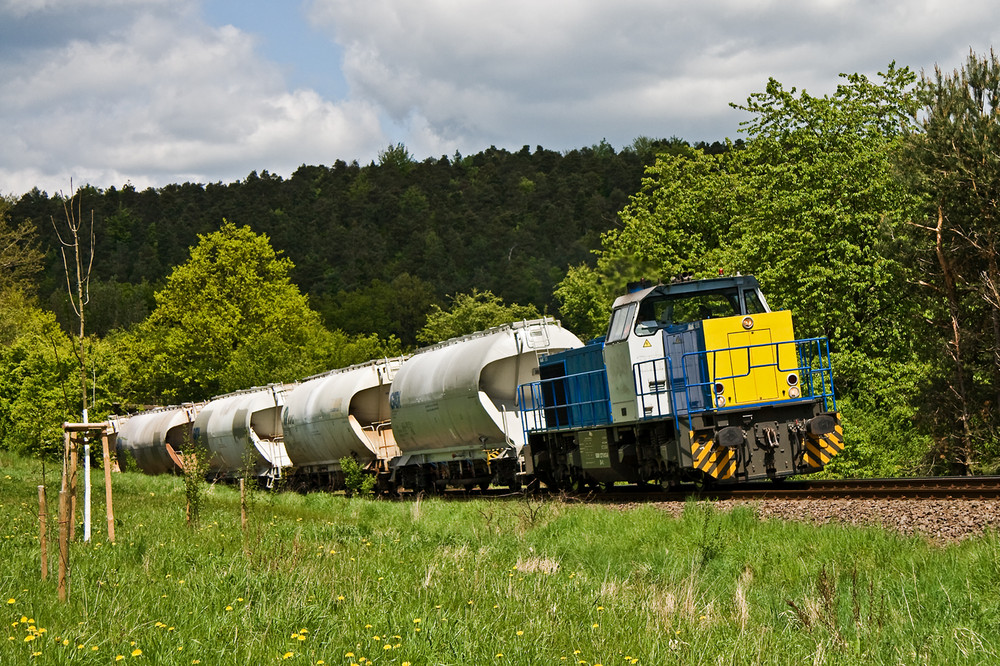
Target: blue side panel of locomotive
[(574, 388)]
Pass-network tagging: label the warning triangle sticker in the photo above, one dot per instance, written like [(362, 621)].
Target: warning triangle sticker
[(646, 344)]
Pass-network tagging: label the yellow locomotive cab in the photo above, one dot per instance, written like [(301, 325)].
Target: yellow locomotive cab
[(751, 357)]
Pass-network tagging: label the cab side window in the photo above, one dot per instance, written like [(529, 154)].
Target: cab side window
[(752, 301), (620, 320)]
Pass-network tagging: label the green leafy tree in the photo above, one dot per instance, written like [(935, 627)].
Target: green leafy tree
[(229, 318), (20, 256), (953, 160), (36, 365), (469, 313)]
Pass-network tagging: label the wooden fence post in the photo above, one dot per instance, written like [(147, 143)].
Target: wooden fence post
[(63, 543), (43, 517), (107, 487)]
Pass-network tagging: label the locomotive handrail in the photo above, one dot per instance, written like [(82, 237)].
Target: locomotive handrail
[(536, 415), (814, 370)]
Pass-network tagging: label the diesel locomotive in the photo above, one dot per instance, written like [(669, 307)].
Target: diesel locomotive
[(696, 381)]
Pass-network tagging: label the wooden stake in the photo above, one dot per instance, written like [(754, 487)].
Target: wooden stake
[(43, 517), (63, 543), (107, 487), (243, 503)]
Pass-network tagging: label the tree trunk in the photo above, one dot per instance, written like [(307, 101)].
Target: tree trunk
[(964, 457)]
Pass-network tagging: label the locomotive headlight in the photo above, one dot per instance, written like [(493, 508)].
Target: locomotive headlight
[(792, 379), (747, 322), (719, 388), (793, 392), (720, 401)]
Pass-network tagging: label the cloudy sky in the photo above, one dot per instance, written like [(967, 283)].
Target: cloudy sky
[(152, 92)]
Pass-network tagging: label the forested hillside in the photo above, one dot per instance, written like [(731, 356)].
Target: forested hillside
[(373, 246), (870, 212)]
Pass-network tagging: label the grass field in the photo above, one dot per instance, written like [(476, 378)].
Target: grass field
[(320, 579)]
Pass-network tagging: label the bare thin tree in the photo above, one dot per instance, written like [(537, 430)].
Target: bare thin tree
[(77, 270)]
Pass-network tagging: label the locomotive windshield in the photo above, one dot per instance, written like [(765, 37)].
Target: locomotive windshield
[(669, 310)]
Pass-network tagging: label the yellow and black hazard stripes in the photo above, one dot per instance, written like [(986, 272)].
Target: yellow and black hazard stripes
[(719, 462), (821, 448)]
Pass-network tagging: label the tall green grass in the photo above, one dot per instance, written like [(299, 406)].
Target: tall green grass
[(321, 579)]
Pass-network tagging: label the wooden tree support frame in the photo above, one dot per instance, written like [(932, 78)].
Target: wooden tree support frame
[(75, 434)]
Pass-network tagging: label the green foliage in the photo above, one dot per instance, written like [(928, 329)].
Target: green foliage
[(469, 313), (20, 257), (397, 308), (36, 378), (357, 480), (397, 157), (230, 318), (194, 464), (584, 302)]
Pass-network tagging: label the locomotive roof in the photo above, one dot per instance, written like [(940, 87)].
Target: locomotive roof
[(691, 287)]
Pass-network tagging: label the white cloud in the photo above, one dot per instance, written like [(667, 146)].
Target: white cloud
[(164, 98), (569, 72), (146, 91)]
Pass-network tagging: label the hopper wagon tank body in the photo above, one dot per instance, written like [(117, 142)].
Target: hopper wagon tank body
[(339, 414), (455, 415), (242, 431), (154, 439)]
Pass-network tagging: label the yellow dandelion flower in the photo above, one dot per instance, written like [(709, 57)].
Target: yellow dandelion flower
[(229, 608), (595, 625), (499, 654), (65, 641), (340, 598), (12, 600), (406, 663), (180, 647), (599, 608), (288, 655), (196, 661), (29, 637), (136, 652), (349, 654), (119, 657), (79, 647), (239, 598), (94, 649), (387, 647), (520, 633), (301, 637), (416, 620)]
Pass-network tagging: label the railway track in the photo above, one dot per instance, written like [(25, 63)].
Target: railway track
[(930, 488)]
